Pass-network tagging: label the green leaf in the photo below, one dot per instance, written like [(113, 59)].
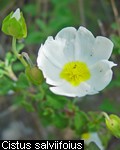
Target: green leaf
[(46, 115), (56, 102), (79, 121), (18, 66), (60, 121), (5, 85), (95, 120), (9, 59), (22, 81), (38, 97), (28, 106), (21, 100)]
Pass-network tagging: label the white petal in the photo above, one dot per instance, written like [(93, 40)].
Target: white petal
[(69, 51), (95, 138), (67, 33), (50, 71), (93, 91), (84, 44), (16, 14), (53, 50), (102, 49), (71, 91), (101, 75)]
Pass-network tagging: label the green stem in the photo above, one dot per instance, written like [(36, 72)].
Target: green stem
[(19, 56), (105, 115)]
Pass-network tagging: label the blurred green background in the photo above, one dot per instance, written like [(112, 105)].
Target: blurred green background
[(45, 18)]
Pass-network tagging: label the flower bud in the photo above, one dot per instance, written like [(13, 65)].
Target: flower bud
[(113, 124), (14, 25), (34, 75)]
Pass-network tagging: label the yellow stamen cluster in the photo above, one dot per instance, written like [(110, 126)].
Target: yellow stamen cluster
[(75, 72), (85, 136)]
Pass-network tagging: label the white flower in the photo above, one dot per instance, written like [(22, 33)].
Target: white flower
[(92, 137), (76, 63), (16, 14)]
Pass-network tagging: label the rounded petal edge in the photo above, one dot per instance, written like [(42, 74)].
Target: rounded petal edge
[(67, 33)]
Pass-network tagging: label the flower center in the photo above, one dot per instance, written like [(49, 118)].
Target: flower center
[(85, 136), (75, 72)]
